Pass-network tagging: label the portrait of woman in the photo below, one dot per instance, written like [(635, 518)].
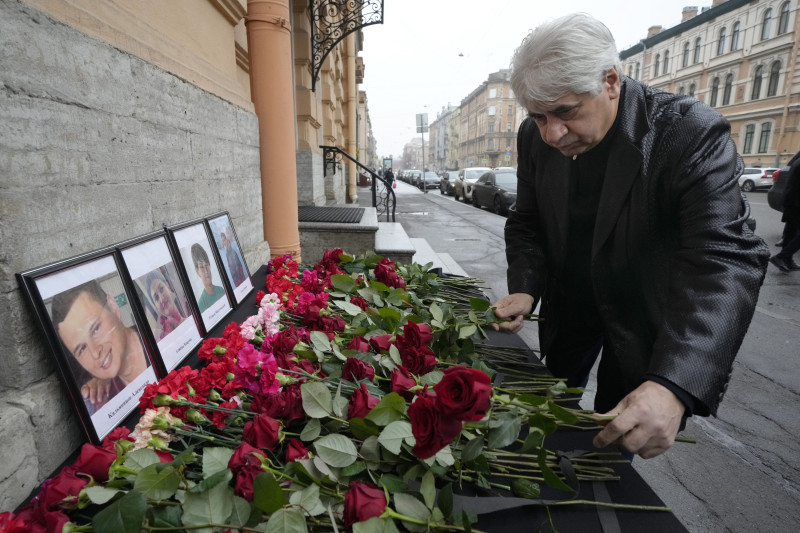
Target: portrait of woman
[(169, 308)]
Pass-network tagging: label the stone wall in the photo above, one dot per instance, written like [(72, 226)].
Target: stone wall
[(96, 146)]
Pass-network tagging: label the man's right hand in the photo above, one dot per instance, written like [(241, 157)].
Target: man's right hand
[(512, 307), (96, 390)]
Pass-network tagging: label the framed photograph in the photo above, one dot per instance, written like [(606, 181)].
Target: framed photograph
[(202, 272), (84, 307), (162, 298), (230, 255)]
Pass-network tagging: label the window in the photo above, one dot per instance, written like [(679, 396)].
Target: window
[(735, 37), (630, 70), (774, 74), (510, 111), (656, 65), (763, 141), (691, 90), (665, 70), (721, 42), (766, 24), (749, 132), (714, 92), (492, 93), (637, 70), (682, 90), (726, 93), (697, 45), (510, 93), (686, 46), (508, 125), (491, 141), (759, 74), (783, 21), (491, 127), (492, 110)]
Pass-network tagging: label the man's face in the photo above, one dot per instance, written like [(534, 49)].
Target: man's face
[(203, 270), (95, 335), (576, 123)]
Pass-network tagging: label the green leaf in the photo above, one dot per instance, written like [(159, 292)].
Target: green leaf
[(397, 297), (506, 432), (343, 282), (317, 402), (408, 505), (562, 414), (428, 489), (525, 488), (380, 287), (390, 408), (472, 449), (241, 513), (287, 521), (394, 354), (532, 399), (223, 476), (311, 430), (362, 428), (436, 312), (479, 304), (215, 460), (354, 469), (167, 516), (467, 331), (320, 341), (100, 495), (123, 516), (549, 476), (534, 439), (155, 484), (142, 458), (376, 525), (347, 307), (393, 435), (431, 378), (370, 449), (308, 499), (390, 314), (543, 423), (336, 450), (445, 501), (267, 493), (444, 457)]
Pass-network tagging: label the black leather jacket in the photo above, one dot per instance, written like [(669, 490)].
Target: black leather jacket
[(675, 269)]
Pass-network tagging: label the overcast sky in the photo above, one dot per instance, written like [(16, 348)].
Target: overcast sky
[(412, 63)]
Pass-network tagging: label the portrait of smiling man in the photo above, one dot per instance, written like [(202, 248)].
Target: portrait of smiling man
[(89, 323), (631, 231)]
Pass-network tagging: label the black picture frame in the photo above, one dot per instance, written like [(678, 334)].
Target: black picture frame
[(190, 240), (171, 321), (226, 244), (84, 308)]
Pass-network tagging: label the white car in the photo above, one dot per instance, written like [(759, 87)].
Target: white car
[(466, 179), (756, 178)]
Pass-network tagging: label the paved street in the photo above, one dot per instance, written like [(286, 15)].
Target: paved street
[(743, 475)]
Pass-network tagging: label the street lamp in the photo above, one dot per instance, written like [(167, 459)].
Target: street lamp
[(422, 127)]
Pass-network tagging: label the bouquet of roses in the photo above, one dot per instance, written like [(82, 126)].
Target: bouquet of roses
[(356, 395)]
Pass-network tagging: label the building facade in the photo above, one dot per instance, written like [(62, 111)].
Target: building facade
[(740, 57)]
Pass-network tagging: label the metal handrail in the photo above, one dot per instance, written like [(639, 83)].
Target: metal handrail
[(383, 201)]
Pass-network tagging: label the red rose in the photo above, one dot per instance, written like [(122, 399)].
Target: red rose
[(361, 403), (296, 450), (464, 393), (95, 461), (432, 429), (355, 369), (402, 381), (37, 519), (417, 360), (418, 335), (61, 492), (358, 300), (9, 523), (359, 344), (385, 273), (262, 432), (244, 456), (164, 456), (293, 402), (119, 433), (381, 342), (243, 486), (362, 502)]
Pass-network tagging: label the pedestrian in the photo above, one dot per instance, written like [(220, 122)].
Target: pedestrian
[(631, 230), (790, 244), (388, 176)]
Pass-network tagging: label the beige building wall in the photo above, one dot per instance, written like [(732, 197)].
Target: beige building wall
[(764, 123)]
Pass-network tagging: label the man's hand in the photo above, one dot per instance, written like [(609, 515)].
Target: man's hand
[(646, 422), (512, 307), (96, 390)]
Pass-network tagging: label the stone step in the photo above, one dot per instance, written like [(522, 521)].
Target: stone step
[(425, 254), (392, 241)]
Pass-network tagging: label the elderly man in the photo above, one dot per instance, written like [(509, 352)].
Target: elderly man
[(630, 229)]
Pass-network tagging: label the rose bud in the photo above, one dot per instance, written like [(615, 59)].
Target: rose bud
[(464, 393)]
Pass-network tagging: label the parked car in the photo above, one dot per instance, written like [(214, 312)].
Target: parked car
[(413, 177), (756, 178), (496, 189), (429, 180), (447, 184), (466, 178)]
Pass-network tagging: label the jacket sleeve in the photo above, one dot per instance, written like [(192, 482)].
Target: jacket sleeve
[(523, 232), (717, 264)]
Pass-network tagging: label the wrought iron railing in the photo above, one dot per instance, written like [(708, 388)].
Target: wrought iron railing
[(383, 197)]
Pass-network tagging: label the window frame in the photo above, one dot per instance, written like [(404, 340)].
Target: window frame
[(766, 24), (721, 41)]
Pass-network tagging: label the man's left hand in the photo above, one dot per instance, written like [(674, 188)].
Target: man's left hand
[(646, 422)]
